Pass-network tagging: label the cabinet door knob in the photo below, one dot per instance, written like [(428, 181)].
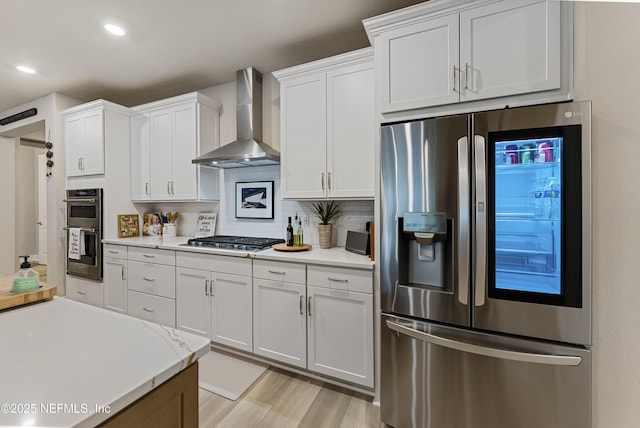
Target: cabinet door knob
[(328, 181), (309, 306), (148, 310), (206, 287), (124, 273), (322, 180), (301, 304)]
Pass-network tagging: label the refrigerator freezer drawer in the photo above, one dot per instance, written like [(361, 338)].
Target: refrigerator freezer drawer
[(434, 376)]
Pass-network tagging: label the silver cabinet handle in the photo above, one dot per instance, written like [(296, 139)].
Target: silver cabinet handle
[(463, 225), (39, 223), (206, 287), (337, 279), (322, 180), (454, 78), (169, 187), (275, 272), (211, 288), (114, 251), (481, 221), (124, 273), (301, 303), (146, 278), (466, 75), (146, 188), (328, 181), (79, 164), (504, 354), (84, 293), (149, 256), (172, 189), (309, 306), (148, 310)]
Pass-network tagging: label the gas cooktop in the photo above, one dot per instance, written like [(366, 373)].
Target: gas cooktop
[(240, 243)]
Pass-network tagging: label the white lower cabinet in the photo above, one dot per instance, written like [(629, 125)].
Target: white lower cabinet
[(151, 285), (340, 334), (115, 284), (321, 321), (193, 302), (152, 308), (279, 321), (84, 290), (225, 284)]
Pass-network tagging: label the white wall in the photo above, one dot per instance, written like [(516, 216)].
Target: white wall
[(607, 67), (8, 159)]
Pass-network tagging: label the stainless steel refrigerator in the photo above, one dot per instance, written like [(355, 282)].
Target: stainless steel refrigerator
[(485, 266)]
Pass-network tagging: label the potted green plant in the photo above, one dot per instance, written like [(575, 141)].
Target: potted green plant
[(326, 212)]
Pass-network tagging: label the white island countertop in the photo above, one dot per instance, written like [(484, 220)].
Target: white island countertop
[(336, 256), (70, 364)]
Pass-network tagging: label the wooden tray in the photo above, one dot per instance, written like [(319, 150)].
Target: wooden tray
[(285, 247), (8, 299)]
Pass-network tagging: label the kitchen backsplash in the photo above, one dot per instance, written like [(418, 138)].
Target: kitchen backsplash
[(355, 213)]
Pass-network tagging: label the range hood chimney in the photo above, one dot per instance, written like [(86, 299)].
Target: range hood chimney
[(248, 149)]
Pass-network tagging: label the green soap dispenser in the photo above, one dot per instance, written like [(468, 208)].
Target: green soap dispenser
[(26, 279)]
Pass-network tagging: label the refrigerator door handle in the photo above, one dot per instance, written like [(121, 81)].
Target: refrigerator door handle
[(481, 221), (464, 196), (505, 354)]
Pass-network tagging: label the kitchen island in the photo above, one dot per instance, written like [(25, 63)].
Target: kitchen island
[(73, 365)]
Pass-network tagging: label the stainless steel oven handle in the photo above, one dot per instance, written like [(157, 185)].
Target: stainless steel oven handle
[(84, 229), (464, 236), (92, 200), (504, 354), (481, 221)]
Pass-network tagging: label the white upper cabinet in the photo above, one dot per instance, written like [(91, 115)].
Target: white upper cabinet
[(510, 48), (166, 136), (327, 122), (87, 128), (442, 53), (419, 66)]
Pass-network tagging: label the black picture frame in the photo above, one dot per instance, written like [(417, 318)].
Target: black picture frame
[(254, 199)]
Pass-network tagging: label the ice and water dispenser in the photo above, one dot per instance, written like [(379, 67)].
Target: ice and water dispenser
[(426, 250)]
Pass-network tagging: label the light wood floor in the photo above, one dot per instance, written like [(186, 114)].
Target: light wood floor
[(281, 399)]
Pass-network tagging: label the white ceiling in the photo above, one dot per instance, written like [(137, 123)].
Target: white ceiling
[(171, 47)]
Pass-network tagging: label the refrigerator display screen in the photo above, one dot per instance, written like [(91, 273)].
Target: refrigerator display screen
[(531, 187), (528, 185)]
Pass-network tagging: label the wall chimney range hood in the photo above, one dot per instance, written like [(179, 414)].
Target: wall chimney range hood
[(248, 149)]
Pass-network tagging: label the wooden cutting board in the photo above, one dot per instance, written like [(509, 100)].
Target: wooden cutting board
[(285, 247), (9, 299)]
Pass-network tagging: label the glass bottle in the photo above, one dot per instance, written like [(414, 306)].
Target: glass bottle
[(289, 234)]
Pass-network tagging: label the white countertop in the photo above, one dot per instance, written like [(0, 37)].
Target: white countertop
[(336, 256), (61, 360)]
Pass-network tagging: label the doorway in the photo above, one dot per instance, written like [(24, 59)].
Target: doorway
[(30, 195)]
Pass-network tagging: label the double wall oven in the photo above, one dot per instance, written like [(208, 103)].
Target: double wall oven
[(84, 226)]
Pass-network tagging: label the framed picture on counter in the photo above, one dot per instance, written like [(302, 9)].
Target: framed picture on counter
[(254, 199), (206, 225)]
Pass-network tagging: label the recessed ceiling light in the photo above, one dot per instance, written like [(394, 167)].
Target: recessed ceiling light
[(115, 30), (25, 69)]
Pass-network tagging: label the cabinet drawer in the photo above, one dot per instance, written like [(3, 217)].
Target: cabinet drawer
[(152, 255), (115, 251), (159, 280), (341, 278), (85, 291), (214, 263), (280, 271), (152, 308)]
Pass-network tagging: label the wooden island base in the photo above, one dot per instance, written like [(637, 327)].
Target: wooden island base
[(173, 404)]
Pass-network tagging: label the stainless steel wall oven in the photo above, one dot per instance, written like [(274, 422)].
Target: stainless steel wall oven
[(84, 232)]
